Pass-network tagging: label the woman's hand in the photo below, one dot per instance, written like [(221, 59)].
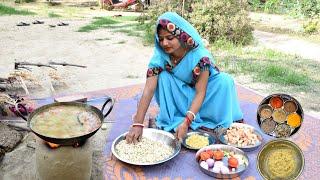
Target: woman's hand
[(134, 135), (182, 130)]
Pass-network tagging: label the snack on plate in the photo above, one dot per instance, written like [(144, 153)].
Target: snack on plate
[(197, 141), (145, 151), (241, 136)]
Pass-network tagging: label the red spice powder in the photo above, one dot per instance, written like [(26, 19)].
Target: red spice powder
[(276, 102)]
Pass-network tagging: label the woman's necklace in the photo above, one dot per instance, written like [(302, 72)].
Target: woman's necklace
[(176, 60)]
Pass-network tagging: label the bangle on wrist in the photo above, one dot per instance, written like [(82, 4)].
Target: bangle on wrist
[(193, 115), (137, 125)]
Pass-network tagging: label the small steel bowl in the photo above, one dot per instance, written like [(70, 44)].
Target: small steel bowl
[(286, 106), (228, 148), (155, 135), (210, 139), (276, 145), (244, 148), (265, 107)]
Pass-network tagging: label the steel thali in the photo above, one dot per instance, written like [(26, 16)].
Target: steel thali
[(155, 135)]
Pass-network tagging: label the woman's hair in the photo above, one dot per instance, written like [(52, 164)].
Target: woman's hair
[(159, 27)]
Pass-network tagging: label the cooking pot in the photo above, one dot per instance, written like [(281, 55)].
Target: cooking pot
[(71, 140)]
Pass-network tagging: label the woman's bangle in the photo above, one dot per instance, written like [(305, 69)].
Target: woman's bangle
[(137, 125), (194, 116)]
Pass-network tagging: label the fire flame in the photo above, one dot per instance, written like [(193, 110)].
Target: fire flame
[(52, 145)]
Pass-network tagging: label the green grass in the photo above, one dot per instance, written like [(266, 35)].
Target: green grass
[(107, 22), (267, 66), (53, 15), (6, 10), (100, 22), (280, 72)]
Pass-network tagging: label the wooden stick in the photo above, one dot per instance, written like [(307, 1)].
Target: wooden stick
[(19, 127)]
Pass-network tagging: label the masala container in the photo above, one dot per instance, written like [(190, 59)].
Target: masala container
[(276, 101), (265, 111), (290, 106), (280, 115), (268, 125)]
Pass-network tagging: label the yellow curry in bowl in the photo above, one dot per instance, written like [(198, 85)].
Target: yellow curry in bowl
[(280, 159)]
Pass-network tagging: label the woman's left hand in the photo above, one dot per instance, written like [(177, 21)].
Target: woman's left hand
[(182, 131)]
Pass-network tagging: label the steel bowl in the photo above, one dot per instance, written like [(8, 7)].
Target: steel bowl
[(276, 145), (210, 139), (155, 135), (223, 147), (244, 148)]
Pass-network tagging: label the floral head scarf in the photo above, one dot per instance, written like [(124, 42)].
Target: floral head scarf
[(188, 36)]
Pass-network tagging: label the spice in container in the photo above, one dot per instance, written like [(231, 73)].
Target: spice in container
[(283, 130), (268, 125), (290, 106), (294, 120), (276, 102), (279, 116), (265, 111)]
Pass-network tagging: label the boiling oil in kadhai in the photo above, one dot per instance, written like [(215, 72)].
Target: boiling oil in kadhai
[(65, 122)]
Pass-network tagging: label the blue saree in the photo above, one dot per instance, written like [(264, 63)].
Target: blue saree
[(175, 90)]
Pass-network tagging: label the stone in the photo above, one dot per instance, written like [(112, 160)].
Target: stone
[(9, 138), (2, 152)]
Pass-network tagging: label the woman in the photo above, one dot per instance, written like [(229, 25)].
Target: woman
[(189, 89), (120, 4)]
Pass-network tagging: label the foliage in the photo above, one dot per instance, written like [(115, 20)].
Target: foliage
[(310, 8), (227, 19), (213, 19), (311, 26), (6, 10), (306, 8)]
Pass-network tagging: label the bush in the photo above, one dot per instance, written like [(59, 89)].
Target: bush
[(214, 19), (310, 8), (228, 19), (307, 8), (311, 26)]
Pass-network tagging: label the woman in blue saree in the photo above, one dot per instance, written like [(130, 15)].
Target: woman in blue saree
[(189, 89)]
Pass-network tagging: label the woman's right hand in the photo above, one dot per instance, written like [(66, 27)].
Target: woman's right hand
[(134, 135)]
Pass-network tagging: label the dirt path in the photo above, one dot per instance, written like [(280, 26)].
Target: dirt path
[(112, 59), (289, 45)]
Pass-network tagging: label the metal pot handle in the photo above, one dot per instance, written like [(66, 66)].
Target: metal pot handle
[(109, 99), (20, 114)]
